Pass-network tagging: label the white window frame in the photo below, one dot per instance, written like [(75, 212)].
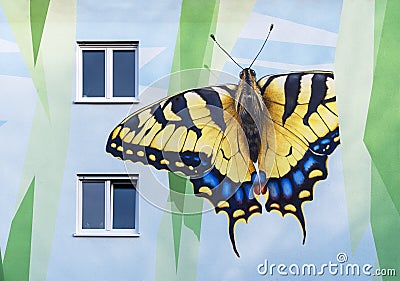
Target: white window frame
[(108, 231), (108, 47)]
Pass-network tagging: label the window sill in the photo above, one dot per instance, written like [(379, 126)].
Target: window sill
[(106, 234), (107, 101)]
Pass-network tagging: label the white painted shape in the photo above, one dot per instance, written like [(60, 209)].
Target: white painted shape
[(147, 54), (19, 97), (8, 47), (149, 94), (286, 31), (285, 66)]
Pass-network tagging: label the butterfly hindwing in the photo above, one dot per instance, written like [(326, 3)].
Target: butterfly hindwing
[(302, 107), (237, 201)]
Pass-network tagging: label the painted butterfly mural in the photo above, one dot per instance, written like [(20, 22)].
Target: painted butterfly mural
[(270, 138)]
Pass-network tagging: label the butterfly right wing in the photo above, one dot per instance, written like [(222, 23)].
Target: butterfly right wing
[(195, 133), (302, 108)]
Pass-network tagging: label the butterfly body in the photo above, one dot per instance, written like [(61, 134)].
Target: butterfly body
[(249, 109), (286, 123)]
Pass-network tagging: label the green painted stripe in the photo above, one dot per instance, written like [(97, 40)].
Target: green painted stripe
[(38, 12), (382, 134), (354, 52), (18, 252), (53, 78), (232, 16), (380, 8), (193, 50), (385, 225), (1, 268), (19, 17), (193, 39), (177, 186)]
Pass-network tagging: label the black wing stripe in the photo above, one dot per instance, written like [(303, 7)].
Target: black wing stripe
[(213, 100), (318, 92), (159, 116), (269, 81), (178, 104), (292, 91)]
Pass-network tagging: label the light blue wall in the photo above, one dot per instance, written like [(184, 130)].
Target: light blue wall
[(17, 104), (155, 25)]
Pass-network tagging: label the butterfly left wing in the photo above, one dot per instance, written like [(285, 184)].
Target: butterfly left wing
[(302, 107), (195, 133)]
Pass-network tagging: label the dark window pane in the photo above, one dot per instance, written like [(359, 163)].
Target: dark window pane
[(124, 206), (124, 73), (93, 73), (93, 205)]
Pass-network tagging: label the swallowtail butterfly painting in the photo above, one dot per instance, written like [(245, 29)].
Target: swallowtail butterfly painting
[(236, 143)]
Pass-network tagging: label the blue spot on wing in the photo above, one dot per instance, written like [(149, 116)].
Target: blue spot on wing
[(263, 177), (190, 158), (298, 177), (239, 196), (210, 180), (273, 188), (309, 163), (226, 189), (325, 141), (248, 190), (327, 144), (287, 188)]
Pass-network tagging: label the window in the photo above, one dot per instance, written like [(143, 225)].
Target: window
[(107, 72), (107, 206)]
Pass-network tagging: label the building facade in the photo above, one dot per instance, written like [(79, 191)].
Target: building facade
[(70, 71)]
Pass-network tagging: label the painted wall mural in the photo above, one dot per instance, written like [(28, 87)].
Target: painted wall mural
[(48, 139), (216, 135)]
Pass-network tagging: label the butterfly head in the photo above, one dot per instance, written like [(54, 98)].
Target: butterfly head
[(248, 96), (248, 75), (248, 82)]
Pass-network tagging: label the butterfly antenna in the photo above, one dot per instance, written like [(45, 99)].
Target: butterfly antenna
[(215, 40), (262, 47)]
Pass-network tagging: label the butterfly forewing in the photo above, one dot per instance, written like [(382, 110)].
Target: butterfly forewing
[(196, 133)]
